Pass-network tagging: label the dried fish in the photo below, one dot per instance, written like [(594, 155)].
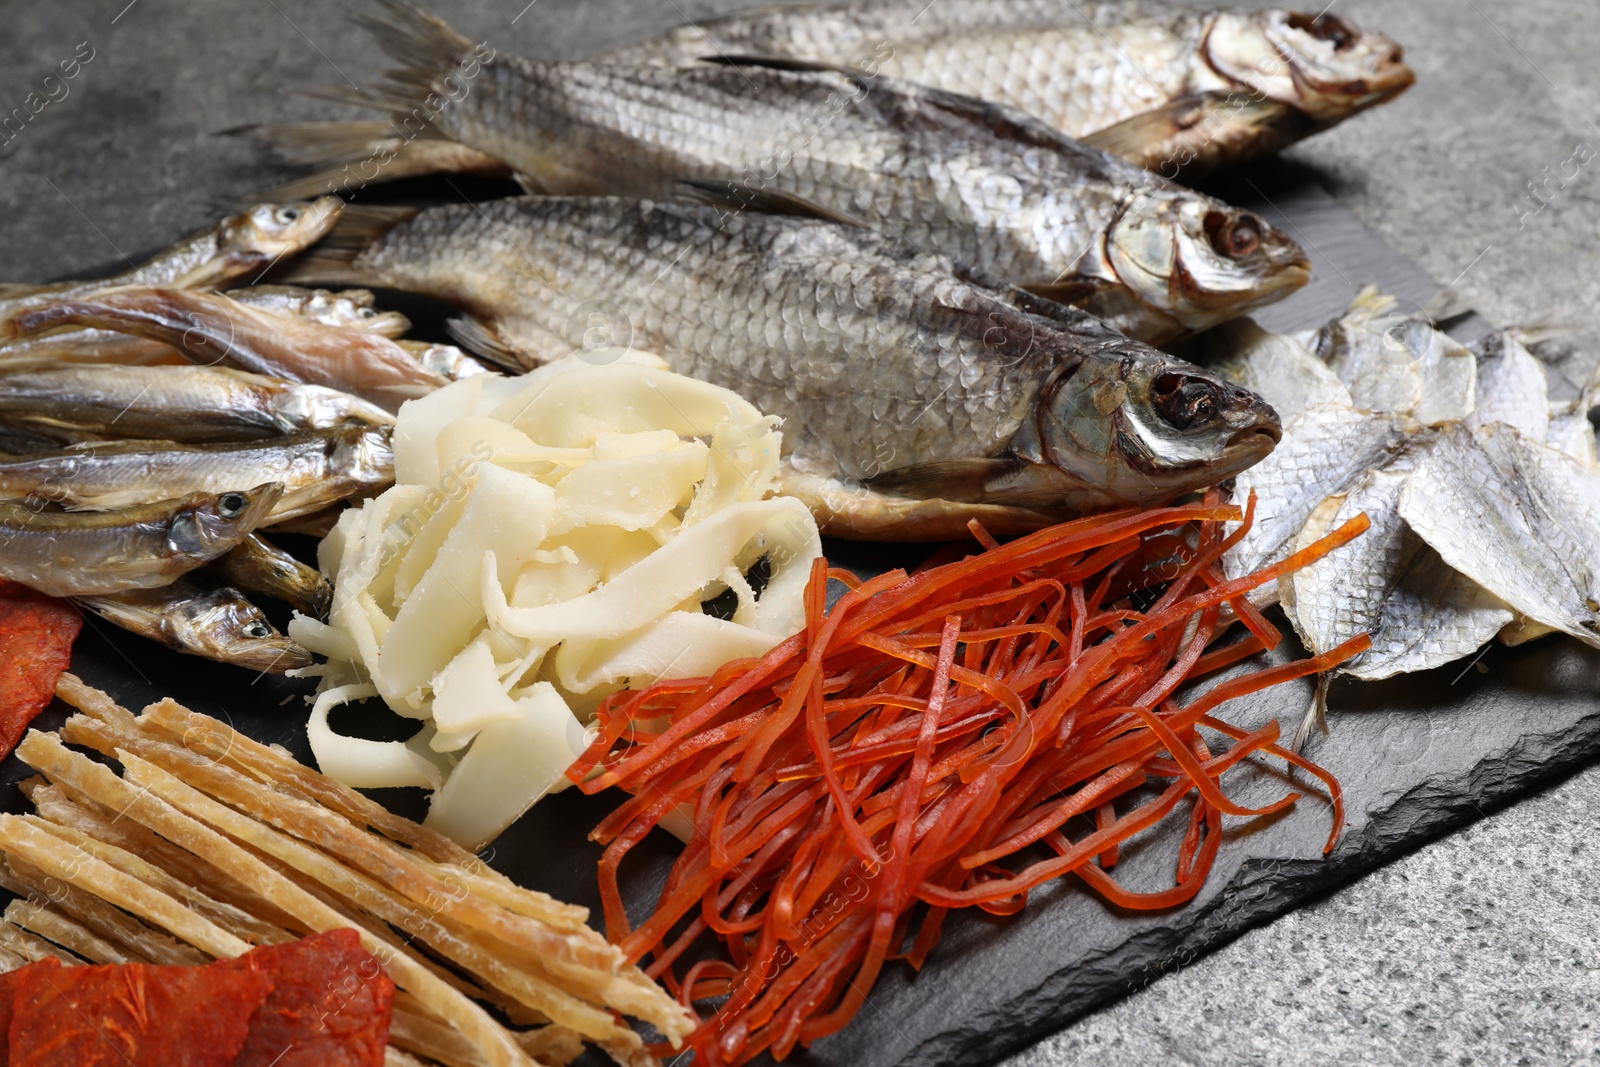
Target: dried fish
[(140, 547), (219, 624), (892, 372), (255, 565), (1276, 366), (1173, 88), (977, 181), (312, 470), (352, 307), (77, 402), (211, 329)]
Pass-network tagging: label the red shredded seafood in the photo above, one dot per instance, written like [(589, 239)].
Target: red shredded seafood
[(927, 744)]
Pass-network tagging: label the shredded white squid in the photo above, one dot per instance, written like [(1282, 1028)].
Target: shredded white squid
[(549, 540)]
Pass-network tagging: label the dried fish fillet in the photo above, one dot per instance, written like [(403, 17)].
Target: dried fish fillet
[(1390, 584), (1517, 516), (1275, 366)]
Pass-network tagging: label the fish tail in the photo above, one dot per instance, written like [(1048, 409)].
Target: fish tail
[(351, 155), (335, 259)]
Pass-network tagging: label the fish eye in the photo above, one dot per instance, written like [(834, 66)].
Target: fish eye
[(1233, 238), (1328, 28), (287, 215), (258, 630), (232, 505), (367, 313), (1184, 401)]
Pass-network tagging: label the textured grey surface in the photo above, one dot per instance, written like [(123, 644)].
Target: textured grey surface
[(1478, 948)]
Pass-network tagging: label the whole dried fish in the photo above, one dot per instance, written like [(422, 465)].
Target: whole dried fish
[(78, 402), (255, 565), (82, 553), (1154, 82), (238, 245), (977, 181), (219, 624), (312, 470), (211, 329), (890, 370)]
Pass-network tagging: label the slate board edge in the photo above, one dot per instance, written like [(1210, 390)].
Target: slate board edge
[(1263, 891)]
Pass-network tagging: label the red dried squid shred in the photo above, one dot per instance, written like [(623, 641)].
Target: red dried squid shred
[(947, 739)]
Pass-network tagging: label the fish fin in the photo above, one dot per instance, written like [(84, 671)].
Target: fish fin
[(947, 479), (480, 338), (332, 261), (424, 44), (1131, 138), (1316, 716), (1065, 292), (317, 144), (741, 197)]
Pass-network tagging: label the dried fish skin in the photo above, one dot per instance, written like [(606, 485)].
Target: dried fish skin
[(1326, 449), (977, 181), (893, 368), (1388, 583), (1277, 367), (1512, 388), (1084, 68), (1366, 348), (103, 552), (1517, 517), (218, 624)]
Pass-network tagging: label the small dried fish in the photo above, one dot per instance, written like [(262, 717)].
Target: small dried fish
[(312, 470), (94, 553), (211, 329), (1174, 88), (218, 624), (238, 245), (78, 402), (255, 565)]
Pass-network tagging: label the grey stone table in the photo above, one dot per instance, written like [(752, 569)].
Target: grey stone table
[(1481, 947)]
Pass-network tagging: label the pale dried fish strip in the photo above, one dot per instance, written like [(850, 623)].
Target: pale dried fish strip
[(107, 921), (370, 896), (235, 920), (46, 753), (427, 1037), (116, 838), (61, 860), (575, 959), (31, 948), (67, 932), (216, 739), (10, 961)]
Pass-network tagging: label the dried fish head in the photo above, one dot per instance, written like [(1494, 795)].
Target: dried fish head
[(268, 231), (216, 524), (1146, 426), (1323, 65), (1195, 260), (219, 624)]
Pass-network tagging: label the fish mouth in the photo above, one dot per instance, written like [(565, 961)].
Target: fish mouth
[(1252, 437)]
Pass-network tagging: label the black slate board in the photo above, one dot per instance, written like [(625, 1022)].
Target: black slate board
[(1417, 756)]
